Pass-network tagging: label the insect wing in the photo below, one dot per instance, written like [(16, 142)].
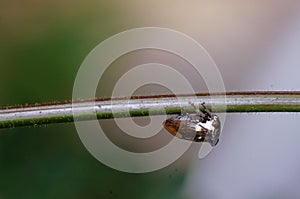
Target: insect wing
[(185, 127)]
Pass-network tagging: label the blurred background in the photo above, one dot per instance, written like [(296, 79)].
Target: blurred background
[(255, 44)]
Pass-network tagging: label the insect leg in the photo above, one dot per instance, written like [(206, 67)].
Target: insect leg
[(206, 111), (183, 113), (197, 110)]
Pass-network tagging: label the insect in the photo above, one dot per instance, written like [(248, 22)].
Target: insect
[(203, 126)]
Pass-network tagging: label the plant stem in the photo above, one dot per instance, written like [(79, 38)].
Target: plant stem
[(240, 102)]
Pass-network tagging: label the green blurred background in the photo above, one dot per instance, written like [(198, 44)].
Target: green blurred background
[(255, 45), (42, 44)]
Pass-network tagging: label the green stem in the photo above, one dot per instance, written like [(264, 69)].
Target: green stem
[(240, 102)]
